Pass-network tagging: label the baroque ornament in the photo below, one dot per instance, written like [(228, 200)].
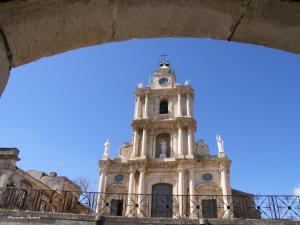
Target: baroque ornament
[(125, 151), (201, 149)]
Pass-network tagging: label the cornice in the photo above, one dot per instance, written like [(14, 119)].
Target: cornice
[(163, 91), (168, 164), (165, 123)]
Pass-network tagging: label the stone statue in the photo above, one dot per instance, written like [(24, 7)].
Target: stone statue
[(220, 143), (163, 146), (106, 150), (140, 85), (187, 83)]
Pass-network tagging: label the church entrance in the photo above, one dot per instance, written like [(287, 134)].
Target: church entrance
[(116, 208), (209, 208), (162, 200)]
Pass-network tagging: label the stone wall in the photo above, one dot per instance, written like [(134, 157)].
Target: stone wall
[(9, 217)]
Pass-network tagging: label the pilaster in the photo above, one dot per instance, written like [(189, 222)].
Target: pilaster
[(180, 142), (131, 184), (179, 107), (141, 192)]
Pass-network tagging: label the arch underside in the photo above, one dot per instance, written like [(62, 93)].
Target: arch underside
[(34, 29)]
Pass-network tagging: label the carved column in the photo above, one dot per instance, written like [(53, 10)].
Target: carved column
[(144, 143), (179, 108), (180, 142), (228, 208), (154, 147), (193, 204), (188, 105), (130, 202), (101, 192), (181, 191), (190, 143), (135, 143), (141, 192), (171, 146), (146, 107), (137, 107)]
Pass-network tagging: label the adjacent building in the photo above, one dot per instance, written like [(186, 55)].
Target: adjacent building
[(35, 190)]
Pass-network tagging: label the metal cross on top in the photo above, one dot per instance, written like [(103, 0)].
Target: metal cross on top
[(163, 56)]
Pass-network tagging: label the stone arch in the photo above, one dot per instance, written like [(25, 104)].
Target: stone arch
[(116, 188), (168, 179), (58, 27), (209, 188)]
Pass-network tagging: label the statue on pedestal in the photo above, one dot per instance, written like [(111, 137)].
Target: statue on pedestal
[(220, 143), (163, 148), (106, 150)]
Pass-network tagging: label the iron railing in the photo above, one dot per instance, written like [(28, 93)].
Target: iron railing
[(275, 207)]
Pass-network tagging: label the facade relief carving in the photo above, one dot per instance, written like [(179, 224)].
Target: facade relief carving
[(125, 151), (201, 149)]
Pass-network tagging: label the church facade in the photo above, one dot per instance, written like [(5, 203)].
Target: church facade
[(165, 172)]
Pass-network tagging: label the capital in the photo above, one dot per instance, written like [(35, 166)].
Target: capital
[(223, 167), (142, 169), (179, 124), (181, 168), (191, 169), (103, 170), (132, 169)]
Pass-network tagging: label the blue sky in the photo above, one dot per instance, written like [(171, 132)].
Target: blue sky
[(59, 110)]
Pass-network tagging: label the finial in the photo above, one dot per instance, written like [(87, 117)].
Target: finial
[(164, 64), (106, 150), (163, 57), (187, 82), (140, 85)]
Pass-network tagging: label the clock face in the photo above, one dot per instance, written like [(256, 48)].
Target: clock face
[(163, 81), (207, 177)]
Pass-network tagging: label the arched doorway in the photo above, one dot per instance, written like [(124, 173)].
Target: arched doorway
[(162, 200)]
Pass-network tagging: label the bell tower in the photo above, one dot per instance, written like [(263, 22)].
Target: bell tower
[(163, 124), (164, 159)]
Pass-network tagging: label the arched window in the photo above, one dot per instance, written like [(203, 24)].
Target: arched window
[(163, 107)]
